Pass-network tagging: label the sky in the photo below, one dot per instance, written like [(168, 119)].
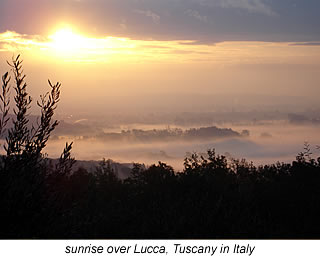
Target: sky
[(205, 21), (121, 54)]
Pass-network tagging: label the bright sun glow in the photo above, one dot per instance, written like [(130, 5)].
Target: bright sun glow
[(65, 42)]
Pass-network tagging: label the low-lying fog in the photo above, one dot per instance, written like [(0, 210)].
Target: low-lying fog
[(261, 137), (262, 142)]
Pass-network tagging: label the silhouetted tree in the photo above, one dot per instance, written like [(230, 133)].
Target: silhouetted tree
[(23, 170)]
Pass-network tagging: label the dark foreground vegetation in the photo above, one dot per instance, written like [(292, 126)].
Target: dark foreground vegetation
[(211, 198)]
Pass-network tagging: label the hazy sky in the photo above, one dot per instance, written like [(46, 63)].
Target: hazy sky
[(198, 20), (111, 53)]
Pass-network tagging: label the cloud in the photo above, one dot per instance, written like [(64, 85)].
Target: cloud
[(207, 42), (155, 17), (195, 14), (189, 52), (155, 47), (305, 44), (123, 24), (13, 41), (253, 6)]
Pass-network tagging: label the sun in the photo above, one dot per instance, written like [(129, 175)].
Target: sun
[(66, 41)]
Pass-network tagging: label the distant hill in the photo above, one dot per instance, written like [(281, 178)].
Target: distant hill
[(168, 135), (122, 170), (299, 119)]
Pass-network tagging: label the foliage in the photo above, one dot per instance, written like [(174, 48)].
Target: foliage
[(24, 145), (65, 163), (4, 102), (211, 198)]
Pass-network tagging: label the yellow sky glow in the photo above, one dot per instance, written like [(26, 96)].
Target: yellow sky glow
[(69, 46)]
